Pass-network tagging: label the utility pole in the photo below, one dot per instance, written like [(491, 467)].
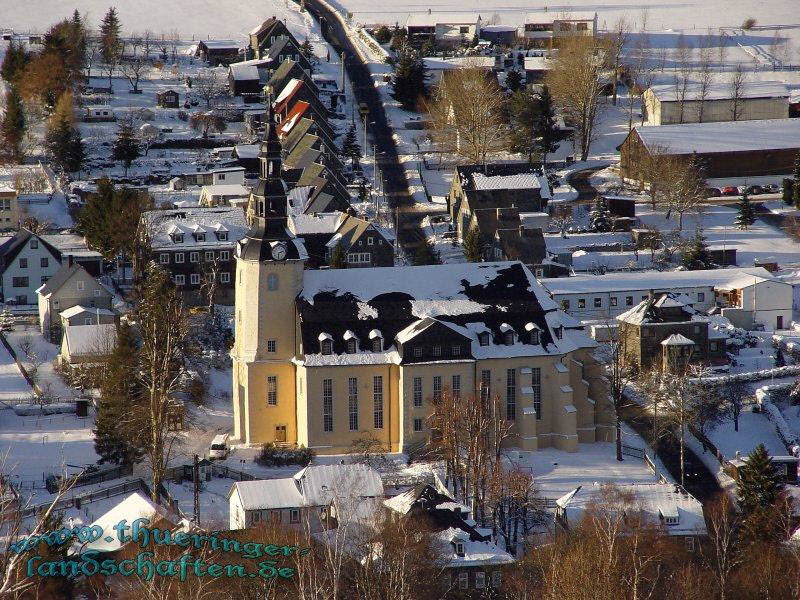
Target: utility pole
[(196, 478), (343, 57)]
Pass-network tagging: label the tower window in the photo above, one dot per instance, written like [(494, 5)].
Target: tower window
[(351, 346), (326, 347), (272, 282), (377, 344)]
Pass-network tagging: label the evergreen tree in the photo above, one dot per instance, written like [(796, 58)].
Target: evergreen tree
[(76, 152), (126, 147), (14, 61), (12, 127), (382, 34), (780, 361), (58, 140), (524, 115), (363, 192), (547, 133), (600, 217), (338, 258), (759, 485), (746, 215), (513, 80), (428, 48), (474, 247), (114, 440), (408, 81), (695, 256), (350, 147), (110, 37), (307, 49), (426, 254), (787, 191)]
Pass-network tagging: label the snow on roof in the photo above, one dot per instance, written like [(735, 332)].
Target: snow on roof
[(724, 136), (5, 189), (427, 19), (676, 339), (320, 483), (288, 90), (242, 72), (722, 91), (247, 150), (226, 189), (92, 339), (220, 44), (546, 16), (78, 309), (538, 63), (458, 62), (526, 181), (664, 281), (303, 224), (269, 493), (475, 553), (159, 223)]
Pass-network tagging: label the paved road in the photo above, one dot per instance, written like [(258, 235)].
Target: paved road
[(394, 177)]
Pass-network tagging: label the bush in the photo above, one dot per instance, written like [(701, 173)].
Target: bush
[(788, 186), (749, 23), (272, 455), (383, 34)]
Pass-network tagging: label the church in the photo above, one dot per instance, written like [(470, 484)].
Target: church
[(322, 358)]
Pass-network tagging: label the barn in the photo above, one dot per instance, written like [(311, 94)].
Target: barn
[(725, 149)]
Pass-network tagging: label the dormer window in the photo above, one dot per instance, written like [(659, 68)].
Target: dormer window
[(559, 332), (508, 337), (200, 237), (222, 236), (351, 346), (459, 549), (177, 238), (483, 338), (377, 344), (325, 343), (533, 332)]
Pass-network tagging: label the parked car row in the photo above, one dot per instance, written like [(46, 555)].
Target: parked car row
[(738, 190)]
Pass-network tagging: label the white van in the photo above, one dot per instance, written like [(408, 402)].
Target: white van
[(219, 446)]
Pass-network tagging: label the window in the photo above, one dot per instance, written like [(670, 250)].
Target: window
[(194, 257), (370, 241), (222, 236), (628, 300), (180, 279), (456, 386), (200, 237), (689, 541), (417, 391), (97, 293), (582, 26), (612, 301), (179, 257), (19, 282), (87, 321), (23, 263), (194, 279), (486, 384), (696, 329), (272, 390), (417, 424), (455, 350), (272, 282), (511, 394), (163, 258), (417, 351), (377, 344), (463, 577), (34, 244), (327, 405), (272, 346), (44, 262), (480, 579), (536, 386), (352, 402), (377, 401), (509, 338), (463, 29), (80, 286), (326, 347), (598, 302), (565, 304), (225, 254), (713, 346), (225, 277), (534, 336), (483, 338), (275, 516), (437, 350), (359, 257), (351, 346), (497, 578), (209, 255), (559, 332), (701, 296), (221, 176), (294, 515), (437, 388), (581, 302), (564, 26)]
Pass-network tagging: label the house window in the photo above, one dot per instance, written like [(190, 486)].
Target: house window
[(582, 27), (437, 388), (483, 339), (455, 350), (417, 391), (456, 386), (463, 577), (463, 29), (209, 256), (163, 258), (294, 515), (370, 241), (612, 301), (351, 346), (44, 262), (34, 244), (564, 26), (628, 300), (417, 351), (180, 279), (23, 263), (509, 338), (352, 402), (194, 257), (417, 424), (225, 254), (713, 346), (696, 329), (437, 350), (200, 237), (272, 346), (377, 401), (272, 390), (377, 344), (480, 579), (327, 405), (326, 347), (80, 286), (511, 394), (598, 302), (87, 321), (581, 302), (225, 277), (222, 236), (536, 386), (689, 541), (497, 578), (535, 336), (194, 279), (565, 304), (19, 282), (179, 257), (97, 293), (486, 384), (701, 296), (272, 282), (275, 516), (221, 176)]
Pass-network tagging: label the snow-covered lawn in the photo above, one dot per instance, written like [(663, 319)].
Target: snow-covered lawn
[(46, 377), (754, 429), (12, 384)]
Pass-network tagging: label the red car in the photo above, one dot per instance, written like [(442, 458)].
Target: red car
[(730, 190)]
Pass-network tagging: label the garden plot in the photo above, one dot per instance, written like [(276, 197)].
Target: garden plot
[(754, 429)]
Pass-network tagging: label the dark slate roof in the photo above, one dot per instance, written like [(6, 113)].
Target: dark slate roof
[(287, 71), (466, 172), (392, 298), (60, 278), (10, 249), (526, 245)]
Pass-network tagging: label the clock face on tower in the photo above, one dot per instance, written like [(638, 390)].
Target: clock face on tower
[(279, 251)]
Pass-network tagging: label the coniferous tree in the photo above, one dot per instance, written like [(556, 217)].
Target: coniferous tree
[(126, 147), (746, 215), (787, 191), (524, 114), (695, 256), (338, 257), (307, 49), (759, 485), (426, 254), (474, 245), (547, 133), (12, 127), (350, 147), (513, 80), (110, 36), (76, 151), (115, 440), (408, 81), (600, 217), (58, 142), (14, 61)]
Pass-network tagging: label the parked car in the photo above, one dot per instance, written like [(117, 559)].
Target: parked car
[(712, 192), (755, 190), (771, 188), (730, 190)]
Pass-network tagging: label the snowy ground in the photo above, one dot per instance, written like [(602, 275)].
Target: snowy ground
[(13, 386), (754, 429), (45, 354)]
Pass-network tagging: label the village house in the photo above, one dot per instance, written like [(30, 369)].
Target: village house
[(536, 68), (71, 285), (293, 91), (744, 296), (98, 114), (670, 104), (287, 71), (304, 110), (303, 500), (724, 149), (306, 149), (446, 29), (221, 176), (324, 356), (9, 207), (324, 190), (84, 315), (287, 49), (196, 246), (268, 33), (666, 331), (245, 79), (168, 99), (545, 29), (217, 52), (232, 194)]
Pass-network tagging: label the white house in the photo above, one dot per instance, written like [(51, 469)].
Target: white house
[(444, 28), (543, 29), (747, 296), (303, 498), (224, 195)]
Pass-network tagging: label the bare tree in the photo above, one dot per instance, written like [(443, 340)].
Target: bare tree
[(92, 51), (134, 43), (210, 85), (619, 373), (722, 555), (133, 70), (737, 90), (148, 43), (734, 395), (512, 504), (205, 122), (682, 76), (705, 77), (576, 82), (684, 191), (615, 44)]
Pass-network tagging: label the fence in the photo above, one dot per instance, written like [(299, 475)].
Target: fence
[(76, 500), (634, 452)]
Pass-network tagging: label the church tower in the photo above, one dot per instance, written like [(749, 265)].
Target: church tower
[(269, 276)]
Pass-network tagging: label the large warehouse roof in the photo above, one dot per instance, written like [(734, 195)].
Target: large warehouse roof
[(725, 136)]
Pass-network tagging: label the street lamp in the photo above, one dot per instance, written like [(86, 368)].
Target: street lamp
[(363, 110)]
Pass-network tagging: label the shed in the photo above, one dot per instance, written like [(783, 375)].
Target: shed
[(168, 99)]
